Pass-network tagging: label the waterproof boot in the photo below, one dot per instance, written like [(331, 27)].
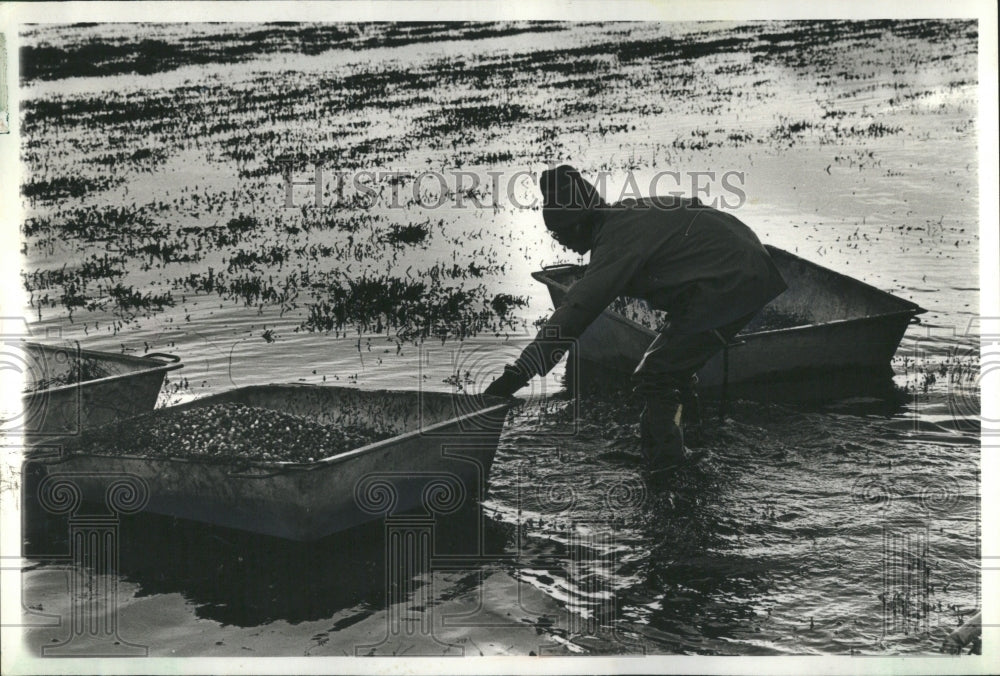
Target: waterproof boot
[(661, 436), (692, 412)]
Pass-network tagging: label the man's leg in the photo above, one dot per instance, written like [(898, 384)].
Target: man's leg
[(665, 379)]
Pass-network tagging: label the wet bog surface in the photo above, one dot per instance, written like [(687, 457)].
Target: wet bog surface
[(157, 220), (851, 527), (779, 543)]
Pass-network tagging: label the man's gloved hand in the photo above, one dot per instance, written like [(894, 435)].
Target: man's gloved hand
[(510, 381)]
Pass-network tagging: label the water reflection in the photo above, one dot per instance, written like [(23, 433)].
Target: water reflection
[(242, 579)]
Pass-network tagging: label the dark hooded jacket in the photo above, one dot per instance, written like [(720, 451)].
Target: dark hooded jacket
[(701, 265)]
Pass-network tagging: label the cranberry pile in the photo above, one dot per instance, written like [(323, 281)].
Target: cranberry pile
[(226, 433)]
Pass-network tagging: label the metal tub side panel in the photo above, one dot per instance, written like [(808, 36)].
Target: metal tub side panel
[(68, 410), (196, 491), (847, 339), (863, 343), (615, 346), (820, 295), (433, 475), (305, 503)]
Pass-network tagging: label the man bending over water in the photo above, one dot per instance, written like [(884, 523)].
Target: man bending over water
[(704, 267)]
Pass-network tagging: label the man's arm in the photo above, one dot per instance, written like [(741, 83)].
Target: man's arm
[(606, 277)]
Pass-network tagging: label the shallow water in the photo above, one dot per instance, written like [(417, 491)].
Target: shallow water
[(781, 543), (774, 545)]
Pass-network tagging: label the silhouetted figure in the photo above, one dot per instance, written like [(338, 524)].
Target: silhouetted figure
[(704, 267)]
